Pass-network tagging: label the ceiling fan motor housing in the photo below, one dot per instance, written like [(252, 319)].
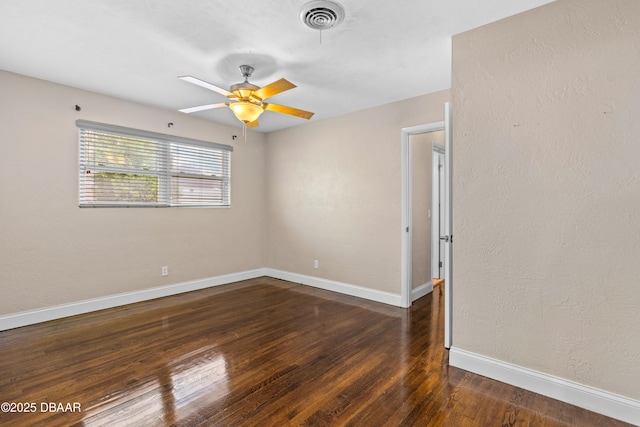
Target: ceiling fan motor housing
[(244, 86), (245, 89)]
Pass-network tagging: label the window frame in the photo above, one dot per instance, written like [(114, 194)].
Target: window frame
[(220, 156)]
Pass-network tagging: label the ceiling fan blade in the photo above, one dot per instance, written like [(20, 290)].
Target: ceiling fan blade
[(205, 85), (288, 110), (253, 124), (273, 89), (203, 107)]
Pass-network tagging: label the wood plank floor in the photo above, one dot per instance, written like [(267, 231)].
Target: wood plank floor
[(262, 352)]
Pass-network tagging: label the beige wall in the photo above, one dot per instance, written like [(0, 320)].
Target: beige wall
[(421, 203), (334, 193), (546, 192), (52, 252)]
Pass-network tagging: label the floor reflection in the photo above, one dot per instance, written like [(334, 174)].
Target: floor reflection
[(198, 381)]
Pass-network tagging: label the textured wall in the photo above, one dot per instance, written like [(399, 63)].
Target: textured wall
[(52, 252), (334, 193), (547, 191)]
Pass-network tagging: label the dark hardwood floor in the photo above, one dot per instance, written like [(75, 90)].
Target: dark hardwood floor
[(262, 352)]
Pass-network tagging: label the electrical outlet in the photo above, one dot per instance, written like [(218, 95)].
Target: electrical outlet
[(316, 264), (165, 271)]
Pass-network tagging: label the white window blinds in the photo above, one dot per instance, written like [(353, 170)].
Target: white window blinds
[(123, 167)]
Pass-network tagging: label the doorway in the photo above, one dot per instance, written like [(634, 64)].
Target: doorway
[(415, 133), (407, 217), (426, 254)]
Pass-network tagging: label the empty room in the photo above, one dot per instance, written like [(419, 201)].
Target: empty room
[(320, 213)]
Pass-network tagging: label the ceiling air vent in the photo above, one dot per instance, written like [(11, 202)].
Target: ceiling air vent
[(321, 14)]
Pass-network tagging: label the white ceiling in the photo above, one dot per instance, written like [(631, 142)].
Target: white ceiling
[(382, 52)]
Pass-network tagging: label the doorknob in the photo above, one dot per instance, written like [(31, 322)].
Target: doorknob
[(445, 238)]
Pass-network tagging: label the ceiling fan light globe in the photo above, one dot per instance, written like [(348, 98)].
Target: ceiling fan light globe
[(245, 111)]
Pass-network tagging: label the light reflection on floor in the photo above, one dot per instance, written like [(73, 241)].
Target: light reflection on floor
[(200, 375)]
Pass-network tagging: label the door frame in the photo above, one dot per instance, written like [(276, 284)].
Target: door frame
[(407, 203)]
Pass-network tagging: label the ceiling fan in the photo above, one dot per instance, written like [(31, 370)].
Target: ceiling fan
[(246, 100)]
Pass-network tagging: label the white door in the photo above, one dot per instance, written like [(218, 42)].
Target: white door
[(448, 230)]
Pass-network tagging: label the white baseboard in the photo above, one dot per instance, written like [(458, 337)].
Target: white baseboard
[(331, 285), (16, 320), (421, 291), (593, 399)]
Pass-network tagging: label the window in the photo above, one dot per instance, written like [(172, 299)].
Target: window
[(123, 167)]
